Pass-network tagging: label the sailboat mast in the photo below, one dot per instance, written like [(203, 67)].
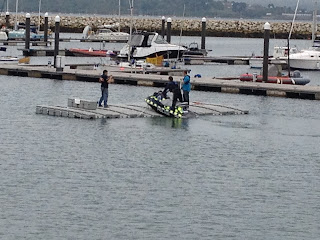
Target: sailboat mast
[(314, 26), (131, 20), (131, 14), (119, 28), (39, 15), (16, 19), (294, 18), (183, 14)]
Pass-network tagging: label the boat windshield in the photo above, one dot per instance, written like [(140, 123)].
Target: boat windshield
[(160, 40), (141, 40), (104, 31), (136, 40)]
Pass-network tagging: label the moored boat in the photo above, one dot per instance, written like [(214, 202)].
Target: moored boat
[(91, 52), (105, 33), (150, 44), (280, 56), (306, 59), (295, 79)]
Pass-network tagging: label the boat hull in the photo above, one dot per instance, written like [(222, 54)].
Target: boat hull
[(305, 64), (90, 53), (275, 80), (257, 62), (112, 38), (167, 54)]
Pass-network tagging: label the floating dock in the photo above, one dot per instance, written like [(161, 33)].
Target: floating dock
[(50, 41), (160, 79), (129, 111), (230, 60)]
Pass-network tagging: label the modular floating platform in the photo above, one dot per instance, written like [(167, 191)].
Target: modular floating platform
[(85, 109)]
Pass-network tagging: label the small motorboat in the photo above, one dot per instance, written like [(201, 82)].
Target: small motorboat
[(162, 105), (194, 50), (91, 52)]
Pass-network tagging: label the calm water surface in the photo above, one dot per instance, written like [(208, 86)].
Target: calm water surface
[(252, 176)]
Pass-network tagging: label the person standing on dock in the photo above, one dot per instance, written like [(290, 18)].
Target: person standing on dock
[(104, 80), (186, 86)]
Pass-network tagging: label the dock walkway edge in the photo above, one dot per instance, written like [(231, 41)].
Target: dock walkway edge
[(160, 78)]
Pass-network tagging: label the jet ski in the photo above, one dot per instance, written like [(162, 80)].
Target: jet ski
[(162, 104)]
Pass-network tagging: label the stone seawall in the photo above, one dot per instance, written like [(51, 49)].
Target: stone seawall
[(190, 27)]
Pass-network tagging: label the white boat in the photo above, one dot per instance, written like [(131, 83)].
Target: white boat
[(150, 44), (105, 33), (8, 59), (3, 36), (139, 64), (21, 34), (308, 59), (280, 56)]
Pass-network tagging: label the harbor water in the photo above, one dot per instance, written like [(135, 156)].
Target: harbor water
[(250, 177)]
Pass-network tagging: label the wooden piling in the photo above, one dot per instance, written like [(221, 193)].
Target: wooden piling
[(203, 33), (46, 27), (266, 51), (169, 20), (163, 26), (56, 39), (27, 37)]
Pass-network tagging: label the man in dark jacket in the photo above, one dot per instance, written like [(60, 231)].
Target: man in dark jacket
[(173, 87), (104, 78)]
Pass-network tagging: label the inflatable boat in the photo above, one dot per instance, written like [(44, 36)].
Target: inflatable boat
[(295, 79), (162, 105)]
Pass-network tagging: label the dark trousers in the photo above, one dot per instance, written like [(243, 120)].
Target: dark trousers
[(186, 96), (176, 95)]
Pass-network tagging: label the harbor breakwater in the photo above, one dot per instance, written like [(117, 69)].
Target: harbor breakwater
[(190, 27)]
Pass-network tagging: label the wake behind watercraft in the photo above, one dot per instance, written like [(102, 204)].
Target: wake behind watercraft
[(161, 104)]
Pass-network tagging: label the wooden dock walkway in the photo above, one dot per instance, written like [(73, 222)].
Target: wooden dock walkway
[(159, 79), (131, 111)]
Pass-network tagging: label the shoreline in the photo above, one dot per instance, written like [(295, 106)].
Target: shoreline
[(190, 26)]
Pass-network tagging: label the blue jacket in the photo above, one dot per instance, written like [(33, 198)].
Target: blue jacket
[(186, 83)]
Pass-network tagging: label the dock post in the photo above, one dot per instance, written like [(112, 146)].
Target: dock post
[(169, 20), (267, 29), (7, 20), (56, 40), (46, 27), (27, 37), (163, 26), (203, 33)]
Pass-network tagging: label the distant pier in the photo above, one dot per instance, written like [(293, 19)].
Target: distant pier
[(160, 78)]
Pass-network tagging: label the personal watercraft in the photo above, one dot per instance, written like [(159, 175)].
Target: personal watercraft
[(161, 103)]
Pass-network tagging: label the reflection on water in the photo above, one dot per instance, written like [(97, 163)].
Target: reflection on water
[(178, 123)]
